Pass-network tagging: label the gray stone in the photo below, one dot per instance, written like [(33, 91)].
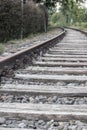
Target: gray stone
[(79, 128), (10, 98), (72, 127), (72, 122), (61, 123), (65, 127), (22, 125), (31, 99), (4, 125), (84, 127), (50, 128), (41, 122), (60, 83), (61, 127), (81, 101), (49, 124), (8, 122), (25, 122), (54, 98), (2, 120), (79, 123), (24, 101), (59, 101), (50, 100), (12, 125), (31, 124), (56, 124)]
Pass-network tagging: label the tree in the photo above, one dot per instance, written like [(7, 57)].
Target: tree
[(12, 21), (57, 19), (52, 3), (71, 9)]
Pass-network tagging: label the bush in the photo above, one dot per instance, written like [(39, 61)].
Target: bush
[(55, 18), (11, 19)]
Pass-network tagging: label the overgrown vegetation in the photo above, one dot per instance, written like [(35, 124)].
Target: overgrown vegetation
[(82, 26), (35, 16), (11, 20), (57, 19), (50, 4), (71, 13), (1, 48)]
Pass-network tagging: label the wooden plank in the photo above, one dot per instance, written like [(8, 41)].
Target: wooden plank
[(67, 52), (63, 64), (73, 51), (77, 59), (69, 48), (75, 42), (45, 90), (64, 78), (43, 111), (1, 128), (54, 70), (65, 56)]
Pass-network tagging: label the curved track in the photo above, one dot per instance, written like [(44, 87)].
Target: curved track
[(51, 92)]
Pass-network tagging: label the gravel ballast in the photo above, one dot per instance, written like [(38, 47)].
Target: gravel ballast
[(42, 99), (43, 125)]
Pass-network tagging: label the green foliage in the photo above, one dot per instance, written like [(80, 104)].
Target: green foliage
[(11, 19), (79, 16), (85, 15), (58, 19), (52, 3), (54, 18), (84, 24), (48, 3), (1, 48), (72, 11)]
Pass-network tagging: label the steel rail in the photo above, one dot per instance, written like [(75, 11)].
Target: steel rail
[(26, 55)]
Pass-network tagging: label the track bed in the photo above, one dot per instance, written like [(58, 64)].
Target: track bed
[(51, 92)]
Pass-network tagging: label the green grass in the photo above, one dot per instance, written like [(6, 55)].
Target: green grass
[(81, 26), (1, 48)]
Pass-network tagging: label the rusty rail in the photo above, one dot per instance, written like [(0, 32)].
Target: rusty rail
[(25, 56)]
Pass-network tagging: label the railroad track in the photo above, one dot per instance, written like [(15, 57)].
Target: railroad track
[(50, 92)]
